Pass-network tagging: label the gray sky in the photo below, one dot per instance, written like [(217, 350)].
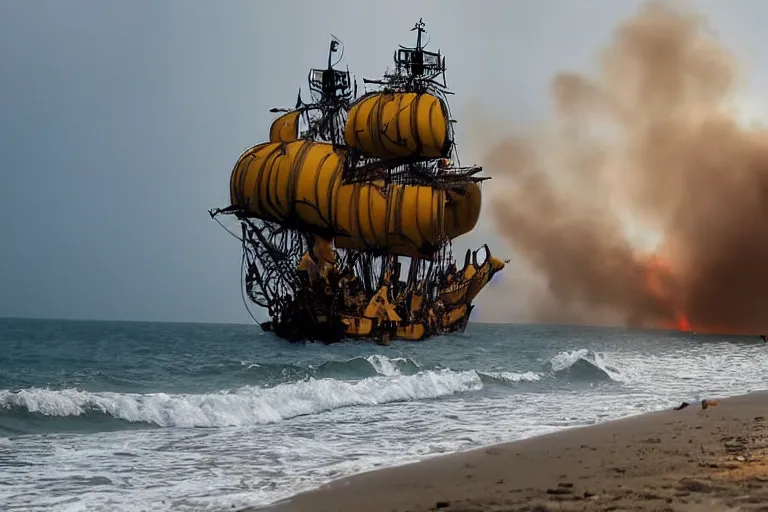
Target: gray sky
[(120, 123)]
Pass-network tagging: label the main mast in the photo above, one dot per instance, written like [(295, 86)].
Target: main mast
[(332, 91)]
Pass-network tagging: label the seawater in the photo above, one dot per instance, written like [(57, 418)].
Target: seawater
[(180, 417)]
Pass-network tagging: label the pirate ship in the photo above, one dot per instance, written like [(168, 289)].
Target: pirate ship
[(347, 214)]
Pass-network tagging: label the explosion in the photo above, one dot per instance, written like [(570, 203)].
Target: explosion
[(654, 137)]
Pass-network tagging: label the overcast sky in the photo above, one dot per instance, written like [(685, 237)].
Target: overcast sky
[(120, 123)]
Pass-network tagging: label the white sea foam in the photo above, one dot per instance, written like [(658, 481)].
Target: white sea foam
[(513, 376), (249, 405), (389, 365), (598, 360), (273, 442)]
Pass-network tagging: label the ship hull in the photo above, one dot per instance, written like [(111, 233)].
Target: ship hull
[(329, 312), (335, 329)]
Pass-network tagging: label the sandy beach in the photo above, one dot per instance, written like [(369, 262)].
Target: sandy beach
[(691, 459)]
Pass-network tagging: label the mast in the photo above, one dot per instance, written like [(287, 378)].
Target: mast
[(332, 91), (329, 84), (420, 67), (417, 58), (420, 28)]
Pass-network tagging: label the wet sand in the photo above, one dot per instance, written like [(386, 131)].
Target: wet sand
[(688, 460)]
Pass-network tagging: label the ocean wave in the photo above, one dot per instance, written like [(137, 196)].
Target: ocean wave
[(247, 405), (292, 390), (510, 377), (348, 369), (369, 366), (580, 365), (583, 364)]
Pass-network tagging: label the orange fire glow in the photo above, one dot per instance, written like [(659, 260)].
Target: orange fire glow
[(664, 287), (660, 281), (681, 323)]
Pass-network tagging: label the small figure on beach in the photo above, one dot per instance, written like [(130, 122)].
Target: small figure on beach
[(704, 405), (764, 337)]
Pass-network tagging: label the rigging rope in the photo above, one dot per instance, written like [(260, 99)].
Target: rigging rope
[(242, 288), (227, 229)]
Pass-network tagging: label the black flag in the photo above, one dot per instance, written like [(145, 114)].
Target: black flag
[(334, 44)]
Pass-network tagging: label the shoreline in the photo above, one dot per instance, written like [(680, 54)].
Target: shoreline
[(691, 459)]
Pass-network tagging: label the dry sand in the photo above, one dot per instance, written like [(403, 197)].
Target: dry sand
[(692, 459)]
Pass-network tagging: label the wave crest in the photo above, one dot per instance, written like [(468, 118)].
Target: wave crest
[(510, 377), (245, 406), (583, 364), (369, 366)]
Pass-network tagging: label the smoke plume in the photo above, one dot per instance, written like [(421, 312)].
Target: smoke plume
[(653, 137)]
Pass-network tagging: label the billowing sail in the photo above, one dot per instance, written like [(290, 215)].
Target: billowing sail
[(293, 184), (285, 128), (462, 209), (403, 219), (299, 184), (395, 125)]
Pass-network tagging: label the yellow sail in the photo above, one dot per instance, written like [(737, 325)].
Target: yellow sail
[(390, 125), (298, 184), (404, 219), (285, 128), (462, 210), (289, 183)]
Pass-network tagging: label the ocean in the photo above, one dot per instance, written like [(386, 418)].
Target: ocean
[(185, 417)]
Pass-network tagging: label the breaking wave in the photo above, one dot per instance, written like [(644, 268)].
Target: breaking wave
[(248, 405), (369, 366), (298, 391), (509, 377), (355, 368), (583, 364)]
